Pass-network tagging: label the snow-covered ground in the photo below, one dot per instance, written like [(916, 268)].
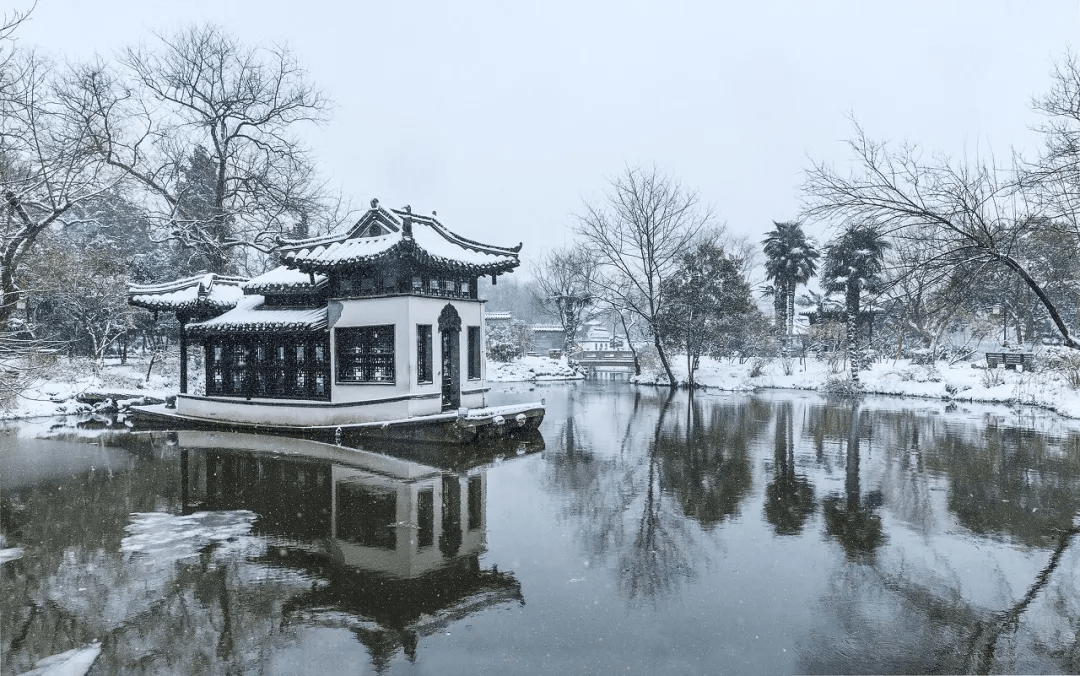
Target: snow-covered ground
[(966, 381), (55, 392), (963, 381), (531, 369)]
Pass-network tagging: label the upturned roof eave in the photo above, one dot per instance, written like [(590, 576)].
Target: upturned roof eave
[(197, 304), (404, 250)]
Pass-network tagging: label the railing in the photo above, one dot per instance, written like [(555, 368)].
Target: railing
[(603, 355)]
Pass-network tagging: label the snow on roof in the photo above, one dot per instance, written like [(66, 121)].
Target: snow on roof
[(283, 279), (204, 291), (497, 316), (426, 240), (546, 328), (250, 317)]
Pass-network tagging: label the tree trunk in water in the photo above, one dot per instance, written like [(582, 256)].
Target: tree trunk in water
[(630, 344), (689, 366), (664, 360)]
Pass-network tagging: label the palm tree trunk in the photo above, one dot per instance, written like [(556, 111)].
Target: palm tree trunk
[(791, 313), (779, 307), (854, 353)]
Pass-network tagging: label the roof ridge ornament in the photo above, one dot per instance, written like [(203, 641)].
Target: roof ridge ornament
[(406, 223), (375, 203)]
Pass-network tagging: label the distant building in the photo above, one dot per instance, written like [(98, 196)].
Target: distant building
[(599, 338), (547, 337)]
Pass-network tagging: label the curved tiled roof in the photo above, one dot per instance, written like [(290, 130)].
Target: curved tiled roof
[(283, 279), (249, 316), (207, 291), (382, 233)]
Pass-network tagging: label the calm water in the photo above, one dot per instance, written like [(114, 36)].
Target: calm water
[(767, 533)]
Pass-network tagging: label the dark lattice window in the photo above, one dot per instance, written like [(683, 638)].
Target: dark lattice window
[(366, 516), (365, 354), (287, 367), (474, 352), (425, 518), (423, 353), (476, 502)]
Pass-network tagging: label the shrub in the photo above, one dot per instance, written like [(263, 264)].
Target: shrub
[(757, 367), (1065, 362), (841, 385), (992, 378)]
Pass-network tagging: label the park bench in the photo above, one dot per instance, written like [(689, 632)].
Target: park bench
[(1025, 360)]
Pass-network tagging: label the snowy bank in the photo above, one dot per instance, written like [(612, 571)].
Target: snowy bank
[(538, 369), (963, 381), (68, 386), (74, 386)]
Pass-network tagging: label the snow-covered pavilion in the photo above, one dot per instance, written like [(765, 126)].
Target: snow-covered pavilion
[(363, 326), (192, 298)]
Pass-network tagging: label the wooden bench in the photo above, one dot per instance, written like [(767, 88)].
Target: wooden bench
[(1025, 360)]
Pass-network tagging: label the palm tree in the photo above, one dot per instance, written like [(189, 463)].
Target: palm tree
[(790, 260), (853, 264)]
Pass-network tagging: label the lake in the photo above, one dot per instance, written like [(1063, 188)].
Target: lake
[(646, 533)]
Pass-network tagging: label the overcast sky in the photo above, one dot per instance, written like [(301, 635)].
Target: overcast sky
[(504, 116)]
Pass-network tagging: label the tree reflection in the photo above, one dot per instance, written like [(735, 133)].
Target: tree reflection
[(707, 463), (850, 518), (974, 606), (637, 498), (1008, 482), (659, 554), (789, 498)]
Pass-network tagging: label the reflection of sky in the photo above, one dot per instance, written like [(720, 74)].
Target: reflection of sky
[(732, 594), (753, 596)]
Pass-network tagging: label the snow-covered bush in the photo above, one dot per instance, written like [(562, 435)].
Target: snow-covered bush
[(508, 340), (992, 378), (841, 385), (757, 367), (1063, 361)]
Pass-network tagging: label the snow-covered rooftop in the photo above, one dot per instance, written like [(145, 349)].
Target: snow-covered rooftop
[(383, 232), (546, 328), (497, 316), (205, 291), (249, 316), (283, 279)]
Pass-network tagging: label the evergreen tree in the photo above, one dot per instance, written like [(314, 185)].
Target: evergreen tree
[(790, 260), (853, 264), (706, 297)]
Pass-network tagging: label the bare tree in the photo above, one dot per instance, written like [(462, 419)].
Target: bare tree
[(974, 214), (204, 127), (46, 168), (638, 234), (566, 281)]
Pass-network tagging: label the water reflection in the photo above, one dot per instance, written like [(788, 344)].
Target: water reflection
[(251, 548), (675, 533), (789, 498), (631, 483), (852, 519)]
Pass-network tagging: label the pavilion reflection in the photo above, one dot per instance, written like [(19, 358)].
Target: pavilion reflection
[(394, 544)]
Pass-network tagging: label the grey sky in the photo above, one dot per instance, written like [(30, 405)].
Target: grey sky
[(503, 116)]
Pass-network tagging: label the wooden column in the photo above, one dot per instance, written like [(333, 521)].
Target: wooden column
[(183, 318)]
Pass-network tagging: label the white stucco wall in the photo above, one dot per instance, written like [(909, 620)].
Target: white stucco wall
[(405, 313), (400, 399)]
